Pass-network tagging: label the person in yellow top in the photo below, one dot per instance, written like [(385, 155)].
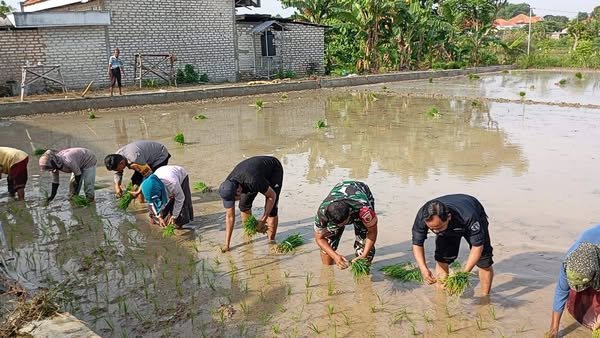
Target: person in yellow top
[(13, 163)]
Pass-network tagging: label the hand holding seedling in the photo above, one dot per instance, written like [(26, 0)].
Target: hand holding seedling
[(340, 261), (428, 276), (118, 191)]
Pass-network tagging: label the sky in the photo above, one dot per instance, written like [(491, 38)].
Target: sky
[(541, 7)]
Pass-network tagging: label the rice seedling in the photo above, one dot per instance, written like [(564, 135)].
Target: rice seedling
[(384, 87), (406, 272), (430, 80), (433, 112), (330, 310), (80, 201), (276, 329), (259, 104), (524, 329), (473, 77), (427, 318), (479, 322), (282, 308), (372, 96), (91, 115), (179, 138), (347, 320), (309, 277), (39, 151), (320, 124), (475, 104), (168, 231), (290, 243), (360, 268), (330, 288), (200, 117), (125, 199), (244, 307), (456, 283), (596, 333), (522, 94), (414, 331), (289, 290), (286, 274), (307, 296), (284, 96), (492, 311), (455, 265), (201, 187), (579, 75), (250, 226), (562, 82), (449, 328), (505, 71), (314, 328)]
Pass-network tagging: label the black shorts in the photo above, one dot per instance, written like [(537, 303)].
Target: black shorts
[(446, 248), (275, 182), (137, 178), (115, 77)]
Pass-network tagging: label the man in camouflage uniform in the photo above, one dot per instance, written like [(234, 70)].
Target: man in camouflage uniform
[(349, 202)]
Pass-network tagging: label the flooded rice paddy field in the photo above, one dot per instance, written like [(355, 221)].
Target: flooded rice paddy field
[(533, 166)]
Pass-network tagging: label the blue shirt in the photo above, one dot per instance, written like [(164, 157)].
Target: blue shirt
[(561, 293), (115, 62)]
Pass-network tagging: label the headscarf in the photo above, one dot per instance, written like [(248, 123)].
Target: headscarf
[(50, 161), (155, 193), (582, 267)]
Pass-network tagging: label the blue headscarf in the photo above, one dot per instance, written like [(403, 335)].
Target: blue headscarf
[(155, 193)]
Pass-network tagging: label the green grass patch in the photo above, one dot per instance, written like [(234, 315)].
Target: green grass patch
[(457, 283), (179, 138), (290, 243), (579, 75), (250, 226), (80, 201), (360, 268), (405, 272), (474, 77), (433, 112), (201, 187), (168, 231), (200, 117), (320, 124), (39, 152)]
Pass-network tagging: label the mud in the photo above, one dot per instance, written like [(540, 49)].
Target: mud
[(533, 166)]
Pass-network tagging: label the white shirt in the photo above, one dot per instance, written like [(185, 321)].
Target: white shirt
[(172, 176)]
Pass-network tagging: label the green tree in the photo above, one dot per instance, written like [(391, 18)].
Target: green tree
[(5, 9), (509, 11), (315, 11), (582, 16), (596, 13)]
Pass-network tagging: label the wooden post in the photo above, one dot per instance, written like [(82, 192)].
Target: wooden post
[(23, 76)]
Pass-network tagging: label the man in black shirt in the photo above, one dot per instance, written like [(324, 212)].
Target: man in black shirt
[(451, 218), (259, 174)]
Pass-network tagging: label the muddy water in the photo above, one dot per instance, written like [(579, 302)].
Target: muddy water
[(532, 166)]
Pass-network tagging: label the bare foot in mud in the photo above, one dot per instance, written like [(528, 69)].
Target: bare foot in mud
[(224, 249)]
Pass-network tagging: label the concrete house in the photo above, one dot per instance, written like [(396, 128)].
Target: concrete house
[(80, 35)]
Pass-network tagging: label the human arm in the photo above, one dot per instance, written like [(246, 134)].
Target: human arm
[(54, 186), (229, 222), (179, 196), (321, 240), (419, 254), (474, 256), (369, 220), (73, 184), (118, 179), (561, 294), (270, 198)]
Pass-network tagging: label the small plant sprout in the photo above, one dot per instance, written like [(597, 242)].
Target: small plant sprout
[(308, 297), (406, 272), (200, 117), (384, 87), (473, 77), (505, 71), (330, 310), (414, 330), (168, 231), (522, 94), (39, 152), (427, 318), (492, 311), (347, 319), (479, 322), (179, 138), (360, 268), (286, 274), (251, 226), (475, 104), (290, 244), (259, 104), (276, 329), (91, 115), (433, 112), (320, 124), (244, 307), (201, 187), (309, 277), (80, 201), (330, 288), (314, 328), (449, 328), (289, 290), (430, 80), (372, 96), (456, 283), (284, 96), (579, 75), (562, 82)]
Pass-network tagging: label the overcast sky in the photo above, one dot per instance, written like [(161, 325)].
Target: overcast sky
[(541, 7)]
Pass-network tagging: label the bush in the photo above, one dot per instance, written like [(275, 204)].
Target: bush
[(189, 75)]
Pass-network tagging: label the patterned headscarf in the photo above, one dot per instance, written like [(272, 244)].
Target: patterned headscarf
[(582, 266), (50, 161)]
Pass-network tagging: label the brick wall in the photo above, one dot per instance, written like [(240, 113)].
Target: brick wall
[(18, 47), (198, 32)]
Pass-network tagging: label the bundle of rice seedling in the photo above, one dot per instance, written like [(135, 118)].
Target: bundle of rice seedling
[(168, 231), (39, 152), (200, 117), (80, 201), (126, 199), (406, 272), (320, 124), (456, 283), (596, 333), (179, 138), (250, 226), (201, 187), (579, 75), (360, 268), (290, 243)]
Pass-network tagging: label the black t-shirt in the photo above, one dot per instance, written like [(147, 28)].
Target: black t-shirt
[(468, 219), (256, 173)]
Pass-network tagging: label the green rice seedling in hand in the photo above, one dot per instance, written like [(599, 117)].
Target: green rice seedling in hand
[(251, 226), (406, 272), (201, 187), (200, 117), (579, 75), (168, 231), (360, 268), (457, 283), (259, 104), (522, 94), (320, 124), (91, 115), (596, 333), (433, 112), (179, 138), (290, 243), (39, 152), (80, 201), (126, 199)]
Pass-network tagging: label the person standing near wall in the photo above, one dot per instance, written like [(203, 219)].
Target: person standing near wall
[(115, 69)]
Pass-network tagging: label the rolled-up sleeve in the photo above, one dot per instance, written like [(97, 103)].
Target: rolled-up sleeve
[(178, 195), (561, 293)]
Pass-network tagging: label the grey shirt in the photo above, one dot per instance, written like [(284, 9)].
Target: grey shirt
[(143, 153), (74, 161)]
